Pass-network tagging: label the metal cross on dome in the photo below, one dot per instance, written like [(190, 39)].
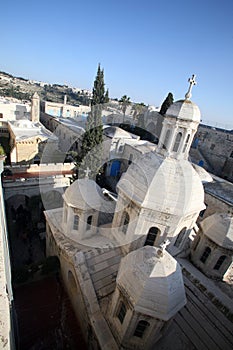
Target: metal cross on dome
[(87, 172), (192, 82)]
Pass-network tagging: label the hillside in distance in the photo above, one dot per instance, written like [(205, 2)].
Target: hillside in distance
[(23, 89)]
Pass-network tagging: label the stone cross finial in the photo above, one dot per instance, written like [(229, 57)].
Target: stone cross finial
[(192, 82), (162, 248), (87, 172), (165, 244)]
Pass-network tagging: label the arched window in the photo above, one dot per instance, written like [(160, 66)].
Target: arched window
[(177, 142), (205, 255), (121, 312), (180, 237), (166, 140), (196, 243), (89, 221), (151, 236), (140, 329), (125, 222), (220, 262), (76, 222), (186, 143)]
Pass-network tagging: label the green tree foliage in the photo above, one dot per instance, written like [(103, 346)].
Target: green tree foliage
[(90, 156), (2, 151), (138, 109), (166, 104), (125, 102)]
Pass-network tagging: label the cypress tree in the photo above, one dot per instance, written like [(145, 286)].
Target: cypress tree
[(91, 150), (166, 104)]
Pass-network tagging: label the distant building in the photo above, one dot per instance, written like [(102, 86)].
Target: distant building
[(64, 110)]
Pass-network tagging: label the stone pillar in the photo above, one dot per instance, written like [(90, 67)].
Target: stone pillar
[(65, 99), (35, 108)]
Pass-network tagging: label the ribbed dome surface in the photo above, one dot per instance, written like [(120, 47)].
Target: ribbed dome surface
[(154, 284), (219, 228), (83, 193), (185, 110), (163, 184)]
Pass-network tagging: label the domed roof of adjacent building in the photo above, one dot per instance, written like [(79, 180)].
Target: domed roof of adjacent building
[(153, 283), (163, 184), (116, 132), (83, 193), (185, 110), (219, 228), (204, 175)]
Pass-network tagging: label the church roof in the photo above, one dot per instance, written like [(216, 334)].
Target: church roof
[(163, 184), (154, 284), (219, 228), (83, 193), (185, 110), (204, 175)]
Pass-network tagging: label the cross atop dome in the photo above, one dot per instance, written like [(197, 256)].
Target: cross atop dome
[(87, 172), (192, 82)]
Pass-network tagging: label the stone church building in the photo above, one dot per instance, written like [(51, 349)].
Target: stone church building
[(118, 258)]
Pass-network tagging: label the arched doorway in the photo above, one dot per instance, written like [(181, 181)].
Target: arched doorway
[(152, 235), (115, 168)]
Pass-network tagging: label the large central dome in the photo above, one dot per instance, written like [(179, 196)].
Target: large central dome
[(163, 184)]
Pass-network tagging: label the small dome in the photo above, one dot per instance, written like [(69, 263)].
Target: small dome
[(219, 228), (116, 132), (82, 194), (154, 284), (204, 175), (163, 184), (185, 110)]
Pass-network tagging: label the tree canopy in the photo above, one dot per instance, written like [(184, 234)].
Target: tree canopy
[(90, 156), (166, 103), (125, 102)]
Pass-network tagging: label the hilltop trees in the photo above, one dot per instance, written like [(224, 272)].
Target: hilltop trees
[(166, 104), (90, 156)]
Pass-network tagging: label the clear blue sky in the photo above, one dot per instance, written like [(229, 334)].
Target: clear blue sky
[(147, 48)]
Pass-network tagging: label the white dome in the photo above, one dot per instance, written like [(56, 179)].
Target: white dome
[(204, 175), (219, 228), (163, 184), (153, 284), (82, 194), (185, 110)]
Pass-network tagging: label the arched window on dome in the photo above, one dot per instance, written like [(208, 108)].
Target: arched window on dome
[(177, 142), (153, 233), (121, 312), (205, 255), (166, 139), (180, 237), (89, 221), (186, 143), (142, 326), (220, 262), (76, 222), (125, 221)]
